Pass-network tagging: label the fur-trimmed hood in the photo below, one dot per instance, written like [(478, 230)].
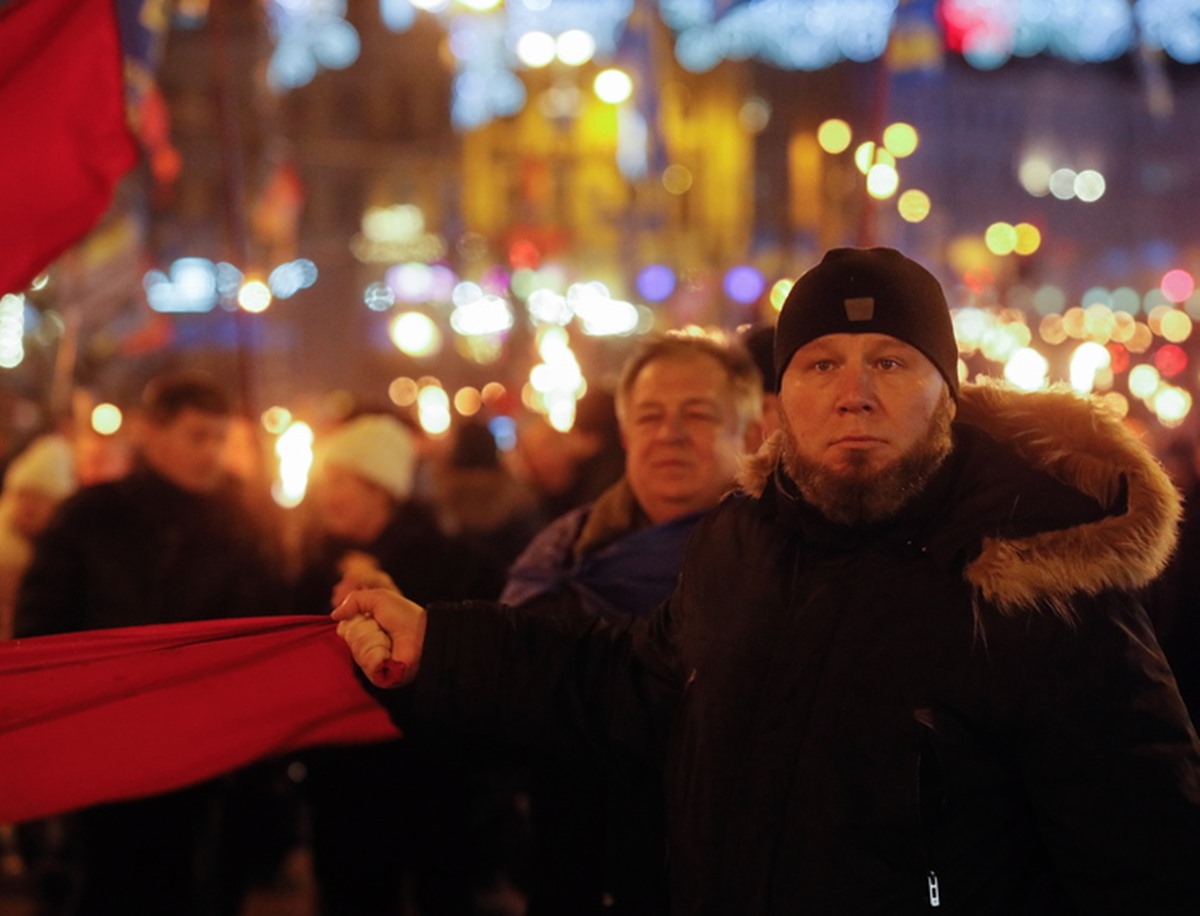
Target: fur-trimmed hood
[(1084, 445)]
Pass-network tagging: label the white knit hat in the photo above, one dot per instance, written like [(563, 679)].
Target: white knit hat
[(378, 448), (47, 465)]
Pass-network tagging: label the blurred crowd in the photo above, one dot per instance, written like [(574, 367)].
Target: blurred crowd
[(174, 520)]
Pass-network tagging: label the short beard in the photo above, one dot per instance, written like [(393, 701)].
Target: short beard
[(861, 496)]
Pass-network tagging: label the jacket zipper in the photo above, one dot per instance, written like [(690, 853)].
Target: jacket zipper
[(929, 799)]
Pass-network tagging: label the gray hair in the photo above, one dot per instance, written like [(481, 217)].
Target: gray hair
[(744, 379)]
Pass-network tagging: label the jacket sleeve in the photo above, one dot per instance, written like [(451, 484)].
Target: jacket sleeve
[(545, 676), (1110, 761)]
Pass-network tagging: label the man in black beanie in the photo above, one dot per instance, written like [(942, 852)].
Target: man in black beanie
[(905, 669)]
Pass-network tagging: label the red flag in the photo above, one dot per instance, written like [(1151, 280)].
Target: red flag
[(107, 715), (64, 140)]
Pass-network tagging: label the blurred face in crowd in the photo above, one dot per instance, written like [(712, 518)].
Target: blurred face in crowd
[(350, 506), (683, 436), (32, 510), (187, 449), (866, 421)]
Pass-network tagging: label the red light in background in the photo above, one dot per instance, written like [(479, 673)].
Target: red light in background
[(1170, 360), (523, 253), (1120, 358)]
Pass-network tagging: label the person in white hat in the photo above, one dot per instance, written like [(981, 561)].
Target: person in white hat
[(365, 517)]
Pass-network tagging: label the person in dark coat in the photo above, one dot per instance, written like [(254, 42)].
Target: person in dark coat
[(367, 847), (172, 541), (905, 670), (689, 408), (479, 500)]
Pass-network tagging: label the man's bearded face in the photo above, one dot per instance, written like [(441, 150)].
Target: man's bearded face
[(859, 493)]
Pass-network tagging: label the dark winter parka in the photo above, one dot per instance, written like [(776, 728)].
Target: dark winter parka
[(141, 550), (964, 709)]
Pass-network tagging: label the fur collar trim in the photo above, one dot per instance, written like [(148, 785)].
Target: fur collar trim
[(1084, 445)]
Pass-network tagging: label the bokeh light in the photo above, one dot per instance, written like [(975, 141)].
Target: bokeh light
[(779, 292), (1000, 238), (834, 136), (536, 49), (106, 419), (882, 180), (1029, 238), (415, 333), (575, 47), (744, 284), (613, 86), (254, 296), (1027, 369), (913, 205), (1177, 285), (900, 139), (655, 282)]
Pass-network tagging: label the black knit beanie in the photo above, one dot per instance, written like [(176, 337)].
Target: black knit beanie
[(869, 291)]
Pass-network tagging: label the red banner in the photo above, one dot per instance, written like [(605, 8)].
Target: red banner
[(66, 142), (113, 714)]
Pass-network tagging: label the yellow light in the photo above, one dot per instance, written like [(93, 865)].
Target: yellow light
[(1156, 316), (294, 449), (493, 392), (575, 47), (433, 410), (415, 333), (467, 401), (613, 86), (1002, 341), (479, 6), (254, 296), (1050, 329), (1099, 322), (1029, 238), (276, 419), (1141, 339), (864, 156), (1176, 326), (1171, 405), (834, 136), (900, 139), (553, 343), (913, 205), (106, 419), (536, 49), (1124, 326), (779, 293), (677, 179), (882, 181), (971, 325), (403, 392), (1000, 238), (1144, 381), (397, 223), (1088, 359), (560, 411), (1027, 369), (1075, 322)]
